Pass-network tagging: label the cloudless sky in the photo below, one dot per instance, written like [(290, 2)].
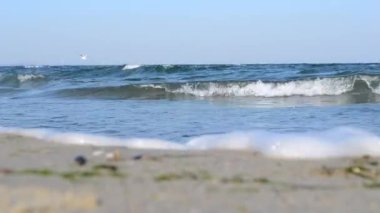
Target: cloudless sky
[(193, 31)]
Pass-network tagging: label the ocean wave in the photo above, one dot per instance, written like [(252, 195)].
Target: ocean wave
[(28, 77), (337, 142), (173, 68), (32, 66), (164, 68), (117, 92), (245, 80), (131, 66), (19, 80), (312, 87), (315, 87)]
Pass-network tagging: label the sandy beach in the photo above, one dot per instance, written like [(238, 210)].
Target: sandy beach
[(190, 106), (39, 176)]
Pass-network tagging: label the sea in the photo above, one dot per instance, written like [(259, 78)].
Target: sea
[(278, 110)]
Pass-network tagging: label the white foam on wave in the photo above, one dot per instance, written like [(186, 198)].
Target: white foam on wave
[(131, 66), (27, 77), (167, 66), (337, 142), (373, 82), (315, 87), (32, 66), (154, 86)]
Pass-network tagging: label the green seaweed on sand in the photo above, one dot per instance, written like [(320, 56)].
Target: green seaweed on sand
[(75, 175), (100, 170), (373, 185), (37, 172), (270, 183), (365, 160), (240, 179), (234, 179), (167, 177), (362, 172), (262, 180), (185, 175), (96, 171), (365, 168), (108, 169), (205, 176), (105, 167)]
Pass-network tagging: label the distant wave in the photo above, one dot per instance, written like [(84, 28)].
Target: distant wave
[(28, 77), (32, 66), (17, 80), (312, 87), (189, 73), (196, 81), (131, 66), (157, 68), (116, 92), (175, 68), (337, 142)]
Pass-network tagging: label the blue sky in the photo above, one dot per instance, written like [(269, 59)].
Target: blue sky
[(172, 31)]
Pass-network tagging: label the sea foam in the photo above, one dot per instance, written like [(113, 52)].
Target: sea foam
[(313, 87), (27, 77), (337, 142), (32, 66), (131, 66)]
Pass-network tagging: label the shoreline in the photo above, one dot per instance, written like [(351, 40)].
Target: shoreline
[(305, 145), (43, 177)]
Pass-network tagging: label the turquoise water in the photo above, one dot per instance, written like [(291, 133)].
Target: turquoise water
[(184, 103)]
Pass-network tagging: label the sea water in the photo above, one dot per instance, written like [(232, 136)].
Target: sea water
[(280, 110)]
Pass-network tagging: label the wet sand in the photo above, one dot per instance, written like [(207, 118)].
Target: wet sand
[(38, 176)]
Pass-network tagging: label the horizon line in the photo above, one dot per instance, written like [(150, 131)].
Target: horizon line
[(152, 64)]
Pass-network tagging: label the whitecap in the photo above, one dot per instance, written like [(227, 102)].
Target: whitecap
[(314, 87), (27, 77), (131, 66)]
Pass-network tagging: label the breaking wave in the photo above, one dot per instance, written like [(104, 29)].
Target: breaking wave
[(177, 68), (131, 66), (17, 80), (337, 142), (312, 87), (28, 77), (315, 87), (32, 66)]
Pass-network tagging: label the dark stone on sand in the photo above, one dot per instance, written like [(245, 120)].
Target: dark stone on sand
[(137, 157), (80, 160), (6, 171)]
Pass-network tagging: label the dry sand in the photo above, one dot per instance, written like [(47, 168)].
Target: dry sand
[(37, 176)]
